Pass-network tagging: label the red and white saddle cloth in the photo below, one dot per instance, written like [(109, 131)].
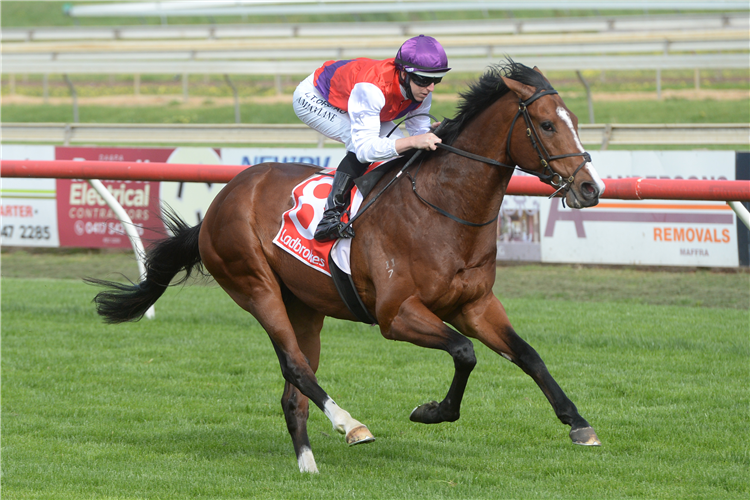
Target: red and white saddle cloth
[(298, 224)]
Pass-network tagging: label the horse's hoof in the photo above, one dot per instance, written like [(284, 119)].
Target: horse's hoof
[(585, 436), (359, 435), (426, 413)]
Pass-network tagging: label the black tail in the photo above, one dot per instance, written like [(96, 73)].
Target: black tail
[(164, 260)]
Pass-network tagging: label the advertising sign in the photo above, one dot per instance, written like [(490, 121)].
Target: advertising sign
[(191, 200), (518, 233), (646, 232), (83, 217), (28, 207), (322, 157), (50, 213)]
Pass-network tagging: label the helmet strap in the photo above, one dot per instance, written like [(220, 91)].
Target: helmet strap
[(405, 82)]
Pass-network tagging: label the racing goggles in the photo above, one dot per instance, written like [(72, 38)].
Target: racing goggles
[(424, 81)]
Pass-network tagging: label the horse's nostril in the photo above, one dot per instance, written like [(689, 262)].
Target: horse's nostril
[(589, 189)]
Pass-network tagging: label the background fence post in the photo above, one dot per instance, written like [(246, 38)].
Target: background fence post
[(236, 99), (74, 95), (588, 96)]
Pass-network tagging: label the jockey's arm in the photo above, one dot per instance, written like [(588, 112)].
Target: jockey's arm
[(365, 102)]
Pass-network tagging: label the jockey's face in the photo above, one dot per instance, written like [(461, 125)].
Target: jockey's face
[(419, 92)]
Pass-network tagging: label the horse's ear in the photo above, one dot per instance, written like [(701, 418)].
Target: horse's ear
[(522, 91), (540, 72)]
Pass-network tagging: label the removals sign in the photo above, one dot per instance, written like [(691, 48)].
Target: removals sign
[(647, 232)]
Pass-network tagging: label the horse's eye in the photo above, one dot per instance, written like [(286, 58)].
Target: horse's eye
[(548, 127)]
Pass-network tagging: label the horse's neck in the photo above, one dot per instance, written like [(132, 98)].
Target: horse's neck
[(472, 187)]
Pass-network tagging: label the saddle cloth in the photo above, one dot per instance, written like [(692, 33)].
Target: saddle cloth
[(299, 222)]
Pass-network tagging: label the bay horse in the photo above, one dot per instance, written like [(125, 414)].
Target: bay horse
[(425, 277)]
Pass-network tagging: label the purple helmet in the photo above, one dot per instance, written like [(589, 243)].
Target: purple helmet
[(423, 55)]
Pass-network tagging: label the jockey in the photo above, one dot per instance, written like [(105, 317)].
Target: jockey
[(356, 102)]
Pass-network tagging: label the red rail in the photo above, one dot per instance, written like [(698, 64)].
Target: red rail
[(639, 188), (120, 170), (623, 189)]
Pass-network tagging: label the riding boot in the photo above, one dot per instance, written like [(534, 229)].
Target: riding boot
[(330, 226)]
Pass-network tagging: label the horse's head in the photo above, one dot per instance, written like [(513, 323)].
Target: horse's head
[(552, 145)]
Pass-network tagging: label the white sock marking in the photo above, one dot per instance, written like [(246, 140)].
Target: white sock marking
[(306, 461), (340, 419)]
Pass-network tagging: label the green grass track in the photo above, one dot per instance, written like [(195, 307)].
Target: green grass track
[(187, 405)]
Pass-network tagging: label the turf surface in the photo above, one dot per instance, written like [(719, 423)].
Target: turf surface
[(187, 404)]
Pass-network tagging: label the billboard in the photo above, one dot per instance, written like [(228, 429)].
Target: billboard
[(647, 232), (28, 207), (83, 217)]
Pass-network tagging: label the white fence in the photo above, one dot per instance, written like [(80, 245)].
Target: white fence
[(689, 42), (723, 48), (300, 134), (518, 26), (165, 9)]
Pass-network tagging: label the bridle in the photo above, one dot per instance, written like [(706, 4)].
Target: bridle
[(547, 175), (552, 177)]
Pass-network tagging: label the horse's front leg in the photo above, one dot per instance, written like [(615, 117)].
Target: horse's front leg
[(416, 324), (487, 321)]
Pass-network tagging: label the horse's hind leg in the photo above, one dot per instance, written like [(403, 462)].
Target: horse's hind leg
[(258, 292), (296, 409), (264, 301), (486, 320), (307, 324)]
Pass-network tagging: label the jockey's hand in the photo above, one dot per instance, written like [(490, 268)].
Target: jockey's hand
[(426, 141), (423, 141), (435, 125)]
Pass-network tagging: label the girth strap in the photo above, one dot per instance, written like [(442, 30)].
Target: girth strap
[(348, 293)]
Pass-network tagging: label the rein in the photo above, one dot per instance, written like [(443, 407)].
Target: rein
[(547, 175), (440, 210)]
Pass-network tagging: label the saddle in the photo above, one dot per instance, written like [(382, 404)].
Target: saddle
[(296, 234)]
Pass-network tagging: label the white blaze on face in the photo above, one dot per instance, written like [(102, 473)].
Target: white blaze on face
[(565, 117)]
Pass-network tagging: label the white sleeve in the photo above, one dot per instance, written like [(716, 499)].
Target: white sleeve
[(365, 103), (420, 124)]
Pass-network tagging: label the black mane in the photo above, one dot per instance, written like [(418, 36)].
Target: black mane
[(484, 92)]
